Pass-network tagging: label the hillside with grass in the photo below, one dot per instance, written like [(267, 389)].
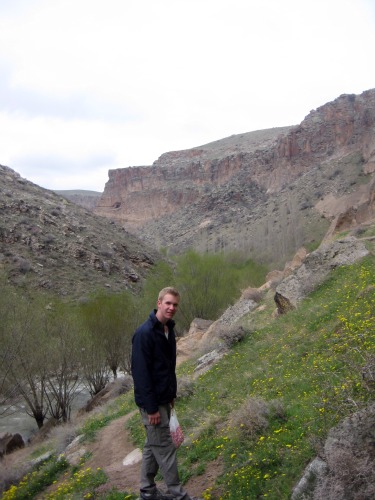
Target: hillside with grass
[(256, 418)]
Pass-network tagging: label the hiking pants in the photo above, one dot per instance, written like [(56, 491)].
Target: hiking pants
[(159, 452)]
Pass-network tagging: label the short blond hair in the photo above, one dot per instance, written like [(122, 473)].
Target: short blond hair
[(169, 289)]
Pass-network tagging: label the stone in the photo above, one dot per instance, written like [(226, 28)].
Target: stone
[(10, 442), (133, 457)]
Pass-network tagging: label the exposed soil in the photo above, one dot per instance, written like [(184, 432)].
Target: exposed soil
[(113, 445)]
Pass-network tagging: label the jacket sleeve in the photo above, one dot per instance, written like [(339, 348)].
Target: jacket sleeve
[(142, 358)]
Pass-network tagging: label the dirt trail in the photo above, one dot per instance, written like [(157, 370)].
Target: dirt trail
[(113, 445)]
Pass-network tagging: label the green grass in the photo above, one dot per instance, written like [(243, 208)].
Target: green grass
[(311, 361), (121, 406), (34, 482)]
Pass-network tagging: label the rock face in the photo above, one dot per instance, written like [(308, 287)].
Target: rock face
[(314, 270), (279, 188), (348, 468)]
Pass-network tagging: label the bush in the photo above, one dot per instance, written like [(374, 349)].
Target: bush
[(252, 294), (24, 265), (185, 387), (230, 335), (63, 435), (252, 417)]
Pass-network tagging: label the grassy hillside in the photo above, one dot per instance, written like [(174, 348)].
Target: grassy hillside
[(263, 412)]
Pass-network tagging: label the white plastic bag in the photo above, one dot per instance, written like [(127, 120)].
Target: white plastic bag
[(175, 428)]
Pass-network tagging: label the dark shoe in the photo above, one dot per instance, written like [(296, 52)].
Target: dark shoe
[(156, 495)]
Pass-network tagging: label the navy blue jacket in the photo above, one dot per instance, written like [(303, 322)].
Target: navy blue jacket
[(154, 364)]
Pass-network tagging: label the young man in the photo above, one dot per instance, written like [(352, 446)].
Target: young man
[(155, 387)]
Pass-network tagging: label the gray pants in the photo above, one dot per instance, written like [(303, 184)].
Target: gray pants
[(159, 452)]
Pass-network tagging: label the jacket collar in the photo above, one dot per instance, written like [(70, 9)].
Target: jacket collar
[(170, 323)]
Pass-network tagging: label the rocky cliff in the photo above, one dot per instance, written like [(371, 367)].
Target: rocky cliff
[(264, 193)]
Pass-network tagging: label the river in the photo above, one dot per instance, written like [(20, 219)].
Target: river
[(19, 421)]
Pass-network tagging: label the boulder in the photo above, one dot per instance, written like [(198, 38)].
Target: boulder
[(347, 467), (115, 388), (10, 442)]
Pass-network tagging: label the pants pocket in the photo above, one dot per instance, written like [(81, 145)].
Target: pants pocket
[(158, 435)]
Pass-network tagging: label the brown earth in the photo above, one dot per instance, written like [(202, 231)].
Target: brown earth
[(113, 445)]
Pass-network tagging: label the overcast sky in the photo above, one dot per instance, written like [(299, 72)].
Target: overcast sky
[(91, 85)]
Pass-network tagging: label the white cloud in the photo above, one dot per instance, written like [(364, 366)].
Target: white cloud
[(87, 85)]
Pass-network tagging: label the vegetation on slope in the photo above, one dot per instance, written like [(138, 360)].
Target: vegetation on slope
[(263, 411), (266, 408)]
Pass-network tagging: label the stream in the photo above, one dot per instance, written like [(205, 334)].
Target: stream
[(19, 421)]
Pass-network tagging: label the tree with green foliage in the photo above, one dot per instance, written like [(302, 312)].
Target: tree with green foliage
[(24, 358), (63, 369), (40, 355), (162, 275), (109, 320), (93, 361), (207, 285)]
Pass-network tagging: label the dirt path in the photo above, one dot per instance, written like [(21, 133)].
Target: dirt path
[(109, 451), (113, 445)]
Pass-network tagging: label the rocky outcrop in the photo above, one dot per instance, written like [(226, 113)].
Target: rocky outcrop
[(112, 390), (347, 469), (272, 186), (314, 270), (137, 195), (10, 443)]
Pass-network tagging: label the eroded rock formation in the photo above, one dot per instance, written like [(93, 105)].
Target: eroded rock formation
[(270, 185)]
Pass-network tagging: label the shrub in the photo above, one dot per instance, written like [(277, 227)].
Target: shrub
[(252, 417), (24, 265), (230, 335), (49, 238), (63, 435), (252, 294), (185, 387)]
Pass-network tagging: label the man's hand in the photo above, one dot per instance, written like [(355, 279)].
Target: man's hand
[(154, 418)]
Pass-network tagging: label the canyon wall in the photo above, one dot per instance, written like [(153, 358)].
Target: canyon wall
[(231, 181)]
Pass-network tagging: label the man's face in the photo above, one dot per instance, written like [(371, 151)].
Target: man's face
[(167, 307)]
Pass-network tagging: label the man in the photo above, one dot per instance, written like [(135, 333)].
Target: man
[(155, 388)]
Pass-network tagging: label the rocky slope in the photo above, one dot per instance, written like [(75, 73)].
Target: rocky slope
[(86, 199), (48, 243), (263, 193)]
